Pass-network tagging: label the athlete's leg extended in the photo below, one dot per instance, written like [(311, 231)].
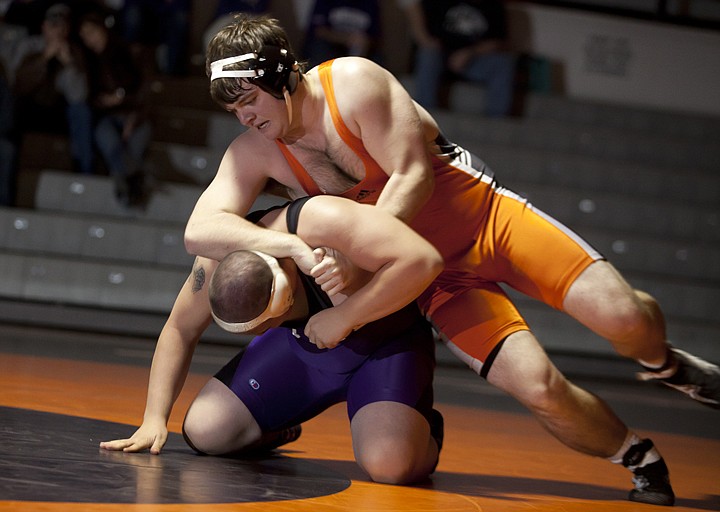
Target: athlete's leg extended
[(573, 415), (546, 260), (482, 327), (631, 320)]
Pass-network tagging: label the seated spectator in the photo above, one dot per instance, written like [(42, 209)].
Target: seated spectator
[(117, 96), (8, 151), (162, 26), (28, 14), (225, 12), (50, 86), (467, 38), (339, 28)]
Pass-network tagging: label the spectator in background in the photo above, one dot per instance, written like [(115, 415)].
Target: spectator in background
[(162, 26), (8, 151), (340, 28), (28, 14), (50, 86), (117, 96), (225, 12), (468, 38)]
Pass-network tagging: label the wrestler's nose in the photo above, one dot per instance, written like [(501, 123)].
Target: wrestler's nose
[(246, 118)]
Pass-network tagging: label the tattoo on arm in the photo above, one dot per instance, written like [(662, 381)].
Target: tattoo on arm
[(198, 277)]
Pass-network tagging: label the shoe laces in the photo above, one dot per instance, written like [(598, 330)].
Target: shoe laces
[(641, 482)]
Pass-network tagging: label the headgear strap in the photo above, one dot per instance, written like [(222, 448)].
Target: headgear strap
[(217, 68)]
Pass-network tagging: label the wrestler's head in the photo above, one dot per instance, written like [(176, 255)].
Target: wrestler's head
[(252, 50), (248, 289)]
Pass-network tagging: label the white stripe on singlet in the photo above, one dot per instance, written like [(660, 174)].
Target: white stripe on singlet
[(590, 250), (463, 160)]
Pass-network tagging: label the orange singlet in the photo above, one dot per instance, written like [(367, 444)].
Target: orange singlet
[(486, 234)]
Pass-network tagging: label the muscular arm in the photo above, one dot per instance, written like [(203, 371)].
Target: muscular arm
[(403, 263), (394, 130), (217, 225), (189, 318)]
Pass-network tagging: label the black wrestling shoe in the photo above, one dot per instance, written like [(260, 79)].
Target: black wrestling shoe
[(691, 375), (652, 481), (270, 441), (437, 431), (282, 437)]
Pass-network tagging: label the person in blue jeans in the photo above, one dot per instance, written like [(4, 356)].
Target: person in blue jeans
[(117, 96), (160, 24), (338, 28), (8, 149), (49, 83), (467, 38)]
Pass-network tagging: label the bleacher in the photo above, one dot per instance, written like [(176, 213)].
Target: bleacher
[(641, 185)]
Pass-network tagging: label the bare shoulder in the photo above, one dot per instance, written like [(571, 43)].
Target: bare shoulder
[(367, 92), (251, 153), (360, 74), (252, 146)]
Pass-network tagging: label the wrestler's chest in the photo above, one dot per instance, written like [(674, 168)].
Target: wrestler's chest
[(334, 167)]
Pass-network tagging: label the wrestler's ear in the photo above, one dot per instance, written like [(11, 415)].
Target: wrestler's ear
[(283, 295)]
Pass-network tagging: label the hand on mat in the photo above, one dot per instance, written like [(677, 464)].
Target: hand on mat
[(152, 436)]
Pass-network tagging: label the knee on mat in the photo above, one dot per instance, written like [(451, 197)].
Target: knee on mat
[(388, 463), (203, 436)]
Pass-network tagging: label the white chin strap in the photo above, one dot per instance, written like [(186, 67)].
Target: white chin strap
[(217, 68), (288, 105)]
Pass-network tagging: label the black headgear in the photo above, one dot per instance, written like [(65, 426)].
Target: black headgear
[(271, 68)]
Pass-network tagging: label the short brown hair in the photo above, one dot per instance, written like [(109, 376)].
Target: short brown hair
[(246, 34), (240, 287)]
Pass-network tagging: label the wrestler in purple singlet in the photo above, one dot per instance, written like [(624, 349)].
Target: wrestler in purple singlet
[(284, 379)]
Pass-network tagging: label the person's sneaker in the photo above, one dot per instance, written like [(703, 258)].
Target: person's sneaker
[(691, 375), (652, 481), (437, 431)]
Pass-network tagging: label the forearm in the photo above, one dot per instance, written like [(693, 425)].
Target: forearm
[(392, 287), (168, 373), (406, 193), (217, 235)]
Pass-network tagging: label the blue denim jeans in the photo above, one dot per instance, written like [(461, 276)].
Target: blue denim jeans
[(161, 23), (79, 120), (122, 157), (8, 172), (495, 71)]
